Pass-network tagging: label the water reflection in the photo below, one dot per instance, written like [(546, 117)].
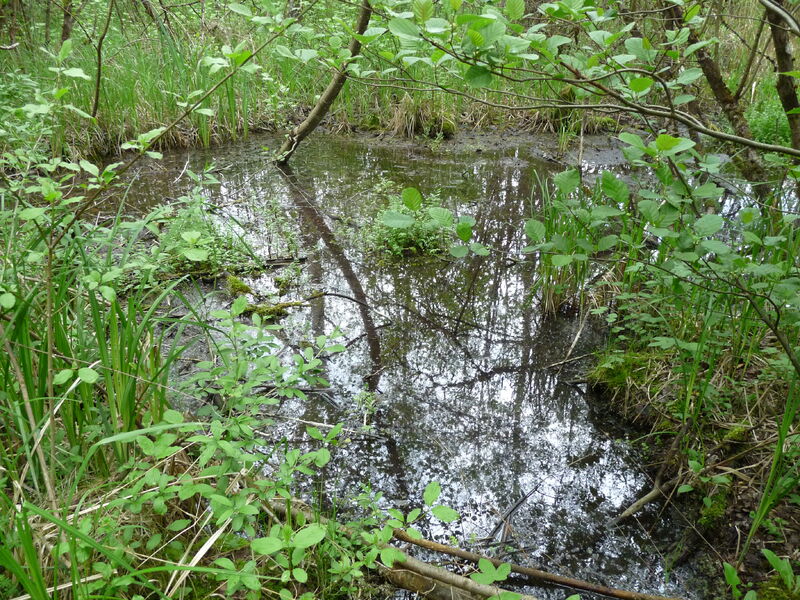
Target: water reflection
[(457, 357)]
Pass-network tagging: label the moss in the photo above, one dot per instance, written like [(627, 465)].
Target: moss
[(283, 284), (618, 369), (269, 312), (237, 287), (773, 589), (274, 312), (713, 509), (736, 434)]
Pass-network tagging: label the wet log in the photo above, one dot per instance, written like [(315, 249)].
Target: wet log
[(536, 575)]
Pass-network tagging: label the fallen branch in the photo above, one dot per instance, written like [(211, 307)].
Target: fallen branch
[(433, 582), (536, 574)]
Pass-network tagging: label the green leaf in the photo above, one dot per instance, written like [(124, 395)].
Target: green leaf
[(308, 536), (442, 216), (459, 251), (535, 230), (195, 254), (649, 210), (396, 220), (444, 513), (685, 488), (63, 376), (432, 492), (478, 76), (613, 187), (29, 214), (479, 249), (88, 375), (640, 84), (8, 300), (716, 246), (670, 146), (239, 305), (692, 48), (607, 242), (464, 231), (403, 28), (515, 9), (561, 260), (412, 198), (708, 225), (240, 9), (266, 545), (300, 575), (76, 73), (687, 76), (65, 50), (422, 9), (178, 525), (89, 167), (567, 181), (172, 416), (391, 555)]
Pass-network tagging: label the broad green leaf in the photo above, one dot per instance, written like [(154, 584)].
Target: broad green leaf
[(649, 210), (240, 9), (391, 555), (632, 139), (464, 231), (432, 492), (444, 513), (607, 242), (32, 213), (191, 237), (670, 146), (266, 545), (195, 254), (479, 249), (640, 84), (561, 260), (692, 48), (8, 300), (65, 50), (535, 230), (515, 9), (708, 225), (442, 216), (63, 376), (308, 536), (76, 73), (412, 198), (567, 181), (88, 375), (403, 28), (716, 246), (300, 574), (422, 9), (396, 220), (614, 187), (688, 76), (478, 76), (459, 251), (90, 168)]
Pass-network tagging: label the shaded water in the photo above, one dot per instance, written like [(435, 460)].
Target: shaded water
[(457, 355)]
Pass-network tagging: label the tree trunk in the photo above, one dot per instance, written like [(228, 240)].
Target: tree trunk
[(69, 19), (325, 101), (787, 90), (748, 161)]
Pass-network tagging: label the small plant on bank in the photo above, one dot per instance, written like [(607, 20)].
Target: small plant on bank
[(413, 225)]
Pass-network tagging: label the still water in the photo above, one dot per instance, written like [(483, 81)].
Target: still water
[(456, 358)]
